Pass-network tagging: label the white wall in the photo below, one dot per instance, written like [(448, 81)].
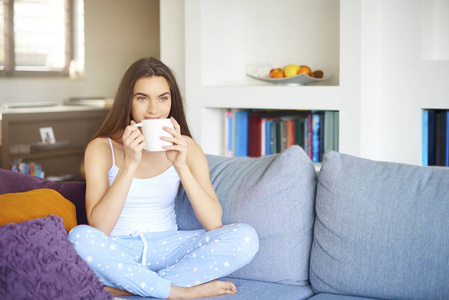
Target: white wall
[(405, 83), (118, 32), (435, 29), (173, 38), (236, 36)]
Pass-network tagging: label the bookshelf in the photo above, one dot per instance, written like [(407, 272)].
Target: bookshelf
[(220, 98), (230, 46), (255, 133)]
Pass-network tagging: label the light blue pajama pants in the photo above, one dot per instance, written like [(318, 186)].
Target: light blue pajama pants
[(147, 264)]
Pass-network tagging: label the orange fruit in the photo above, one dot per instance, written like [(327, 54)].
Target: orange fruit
[(277, 74), (304, 70), (273, 71)]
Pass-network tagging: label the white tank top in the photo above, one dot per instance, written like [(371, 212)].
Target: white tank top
[(150, 204)]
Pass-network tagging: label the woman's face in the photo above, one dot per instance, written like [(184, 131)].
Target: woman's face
[(151, 99)]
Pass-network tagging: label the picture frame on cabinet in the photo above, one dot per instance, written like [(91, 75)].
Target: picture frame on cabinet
[(47, 135)]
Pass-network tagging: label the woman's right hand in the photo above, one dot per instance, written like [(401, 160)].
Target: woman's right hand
[(133, 143)]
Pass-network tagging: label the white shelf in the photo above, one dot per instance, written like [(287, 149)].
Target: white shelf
[(273, 97)]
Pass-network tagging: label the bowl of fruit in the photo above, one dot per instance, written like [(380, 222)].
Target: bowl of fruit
[(292, 75)]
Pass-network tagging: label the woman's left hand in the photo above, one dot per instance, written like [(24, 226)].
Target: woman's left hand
[(178, 152)]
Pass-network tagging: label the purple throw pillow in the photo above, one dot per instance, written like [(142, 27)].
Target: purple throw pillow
[(13, 182), (37, 261)]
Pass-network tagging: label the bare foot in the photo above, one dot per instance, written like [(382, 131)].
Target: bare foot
[(116, 292), (209, 289)]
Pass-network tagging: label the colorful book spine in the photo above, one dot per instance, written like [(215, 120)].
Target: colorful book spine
[(241, 133), (228, 133), (306, 134), (431, 138), (321, 151), (273, 137), (337, 131), (310, 137), (268, 137), (425, 137), (263, 150), (27, 168), (440, 138), (447, 139), (254, 135), (328, 132), (290, 133), (316, 140), (283, 135)]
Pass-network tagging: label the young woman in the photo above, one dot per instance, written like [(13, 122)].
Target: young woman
[(132, 241)]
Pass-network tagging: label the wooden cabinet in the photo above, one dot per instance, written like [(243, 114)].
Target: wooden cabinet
[(73, 128)]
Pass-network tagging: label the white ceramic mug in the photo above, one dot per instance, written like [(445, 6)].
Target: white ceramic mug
[(153, 130)]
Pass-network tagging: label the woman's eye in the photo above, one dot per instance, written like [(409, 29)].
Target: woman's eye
[(163, 99), (141, 98)]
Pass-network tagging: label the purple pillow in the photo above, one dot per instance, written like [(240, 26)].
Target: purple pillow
[(13, 182), (37, 261)]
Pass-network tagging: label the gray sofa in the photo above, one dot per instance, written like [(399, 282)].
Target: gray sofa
[(361, 229)]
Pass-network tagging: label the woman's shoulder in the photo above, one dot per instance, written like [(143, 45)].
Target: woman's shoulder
[(101, 146), (98, 143), (98, 152), (192, 145), (195, 153)]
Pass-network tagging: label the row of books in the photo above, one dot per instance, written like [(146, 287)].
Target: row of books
[(27, 168), (435, 137), (257, 133)]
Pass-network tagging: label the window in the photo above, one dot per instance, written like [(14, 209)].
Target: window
[(39, 37)]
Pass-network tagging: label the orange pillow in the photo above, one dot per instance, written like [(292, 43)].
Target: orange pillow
[(39, 203)]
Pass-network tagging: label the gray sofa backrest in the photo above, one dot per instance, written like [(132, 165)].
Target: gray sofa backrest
[(274, 194), (382, 230)]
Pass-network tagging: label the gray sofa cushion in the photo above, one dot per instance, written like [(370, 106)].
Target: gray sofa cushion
[(382, 230), (251, 289), (338, 297), (275, 195)]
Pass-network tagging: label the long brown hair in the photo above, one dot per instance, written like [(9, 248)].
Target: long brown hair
[(120, 114)]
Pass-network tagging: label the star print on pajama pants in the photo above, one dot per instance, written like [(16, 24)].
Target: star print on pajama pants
[(147, 264)]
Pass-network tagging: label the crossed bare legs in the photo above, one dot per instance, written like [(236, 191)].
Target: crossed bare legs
[(209, 289)]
